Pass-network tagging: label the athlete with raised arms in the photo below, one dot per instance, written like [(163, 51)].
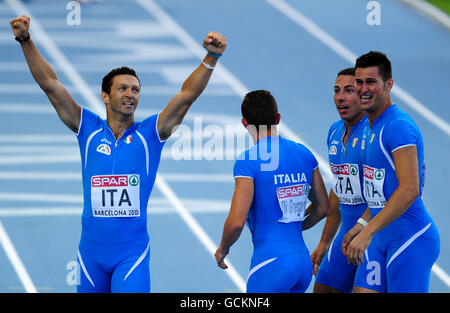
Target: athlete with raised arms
[(120, 158)]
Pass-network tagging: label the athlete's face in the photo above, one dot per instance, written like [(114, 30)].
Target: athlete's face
[(373, 92), (346, 99), (124, 95)]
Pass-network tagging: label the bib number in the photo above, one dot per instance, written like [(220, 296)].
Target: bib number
[(373, 186), (347, 187), (115, 195), (292, 201)]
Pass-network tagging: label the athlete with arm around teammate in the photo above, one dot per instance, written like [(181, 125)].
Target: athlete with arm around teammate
[(119, 158)]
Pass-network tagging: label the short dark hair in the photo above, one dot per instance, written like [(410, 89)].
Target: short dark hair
[(259, 107), (378, 59), (108, 79), (347, 71)]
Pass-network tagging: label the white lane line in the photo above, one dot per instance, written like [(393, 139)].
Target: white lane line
[(194, 204), (162, 90), (237, 86), (341, 50), (226, 75), (74, 157), (76, 176), (40, 197), (38, 211), (351, 57), (40, 159), (15, 261), (430, 10), (42, 138), (441, 274), (78, 81), (202, 208), (197, 229), (51, 49)]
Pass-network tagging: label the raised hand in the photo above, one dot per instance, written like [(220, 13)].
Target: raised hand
[(20, 26), (215, 43)]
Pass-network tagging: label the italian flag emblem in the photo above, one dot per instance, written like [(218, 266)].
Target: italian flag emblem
[(128, 139)]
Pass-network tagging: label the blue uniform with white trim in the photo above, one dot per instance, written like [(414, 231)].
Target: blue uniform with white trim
[(401, 255), (282, 171), (346, 166), (118, 177)]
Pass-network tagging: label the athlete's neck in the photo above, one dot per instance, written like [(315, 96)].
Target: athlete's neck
[(271, 131), (350, 123), (118, 127), (372, 116)]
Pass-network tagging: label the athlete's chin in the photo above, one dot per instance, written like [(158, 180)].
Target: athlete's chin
[(368, 107), (128, 110)]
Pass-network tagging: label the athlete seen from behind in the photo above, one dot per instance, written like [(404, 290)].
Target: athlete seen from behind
[(273, 181)]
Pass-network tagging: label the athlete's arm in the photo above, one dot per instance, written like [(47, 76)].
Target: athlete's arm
[(320, 206), (352, 233), (407, 172), (331, 226), (235, 222), (68, 111), (194, 85)]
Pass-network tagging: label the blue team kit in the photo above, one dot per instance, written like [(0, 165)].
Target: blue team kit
[(346, 166), (280, 261), (118, 177)]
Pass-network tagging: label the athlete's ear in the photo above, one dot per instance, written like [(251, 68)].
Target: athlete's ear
[(390, 83), (105, 98), (277, 121), (244, 122)]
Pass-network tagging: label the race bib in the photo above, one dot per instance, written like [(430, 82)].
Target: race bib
[(115, 195), (373, 186), (347, 187), (292, 201)]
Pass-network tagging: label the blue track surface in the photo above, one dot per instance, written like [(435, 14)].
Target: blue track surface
[(40, 183)]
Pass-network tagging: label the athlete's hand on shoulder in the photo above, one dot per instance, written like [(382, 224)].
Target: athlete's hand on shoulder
[(20, 26), (215, 43)]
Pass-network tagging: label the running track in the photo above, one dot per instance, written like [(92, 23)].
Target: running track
[(290, 47)]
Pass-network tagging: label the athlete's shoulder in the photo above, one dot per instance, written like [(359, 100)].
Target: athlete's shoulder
[(399, 121), (333, 130), (88, 116), (300, 152), (337, 124), (149, 128), (246, 164), (400, 131), (89, 122), (150, 121)]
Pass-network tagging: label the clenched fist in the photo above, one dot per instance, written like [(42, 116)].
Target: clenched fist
[(215, 43), (20, 26)]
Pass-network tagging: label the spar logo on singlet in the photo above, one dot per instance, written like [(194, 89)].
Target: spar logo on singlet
[(292, 201), (115, 195), (347, 183), (373, 186)]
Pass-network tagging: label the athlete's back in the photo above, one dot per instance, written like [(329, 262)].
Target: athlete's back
[(277, 211)]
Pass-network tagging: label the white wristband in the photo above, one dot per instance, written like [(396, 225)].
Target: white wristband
[(362, 222), (209, 67)]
